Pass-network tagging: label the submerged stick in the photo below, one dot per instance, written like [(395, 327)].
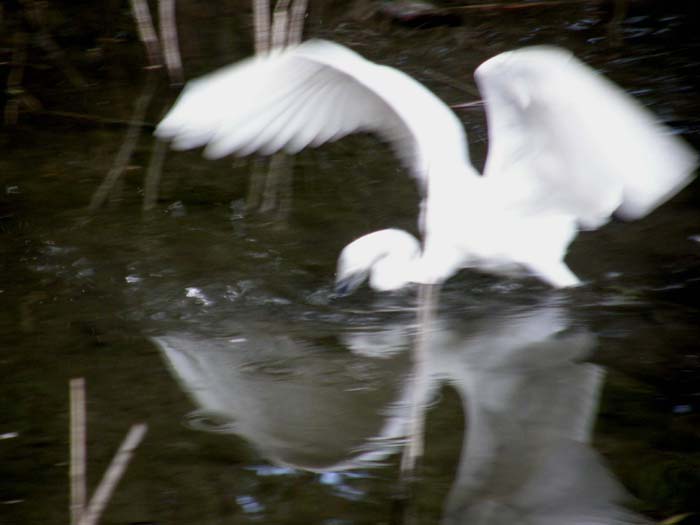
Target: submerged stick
[(78, 450), (285, 192), (277, 191), (114, 472), (152, 181), (256, 184)]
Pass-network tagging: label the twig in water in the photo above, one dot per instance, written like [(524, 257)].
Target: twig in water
[(261, 38), (256, 184), (78, 452), (285, 192), (147, 33), (148, 36), (273, 189), (277, 192), (168, 35), (127, 148), (152, 181), (114, 472)]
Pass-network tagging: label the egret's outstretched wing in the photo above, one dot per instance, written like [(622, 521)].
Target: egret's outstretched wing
[(310, 94), (568, 138)]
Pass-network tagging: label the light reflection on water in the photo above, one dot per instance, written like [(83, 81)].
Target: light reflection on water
[(320, 385)]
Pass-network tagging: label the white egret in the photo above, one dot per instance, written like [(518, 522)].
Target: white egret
[(567, 150)]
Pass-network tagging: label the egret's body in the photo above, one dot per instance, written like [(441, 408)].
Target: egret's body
[(567, 150)]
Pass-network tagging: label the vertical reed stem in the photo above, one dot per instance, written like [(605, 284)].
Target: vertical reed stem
[(168, 36), (78, 450), (147, 33), (261, 26)]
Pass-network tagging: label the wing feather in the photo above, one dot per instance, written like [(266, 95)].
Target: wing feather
[(259, 120), (310, 94), (570, 139)]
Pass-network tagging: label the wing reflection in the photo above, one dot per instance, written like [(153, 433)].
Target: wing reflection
[(530, 405), (298, 405), (528, 397)]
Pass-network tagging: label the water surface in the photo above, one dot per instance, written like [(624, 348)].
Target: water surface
[(270, 400)]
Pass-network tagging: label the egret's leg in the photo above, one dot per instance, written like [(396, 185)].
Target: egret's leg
[(413, 449)]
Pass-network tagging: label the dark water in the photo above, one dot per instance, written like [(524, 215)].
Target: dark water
[(269, 400)]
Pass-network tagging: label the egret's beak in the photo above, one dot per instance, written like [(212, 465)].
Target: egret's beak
[(349, 283)]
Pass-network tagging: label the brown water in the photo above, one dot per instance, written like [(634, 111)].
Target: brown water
[(268, 399)]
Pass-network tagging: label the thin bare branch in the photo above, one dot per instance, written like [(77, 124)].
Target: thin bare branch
[(78, 450), (97, 119), (521, 5), (114, 472), (468, 105), (449, 81), (147, 33), (168, 36)]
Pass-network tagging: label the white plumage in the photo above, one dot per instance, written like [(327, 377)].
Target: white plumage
[(567, 150)]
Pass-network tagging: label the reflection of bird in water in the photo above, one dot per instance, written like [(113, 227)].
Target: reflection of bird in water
[(529, 406), (298, 405), (567, 150)]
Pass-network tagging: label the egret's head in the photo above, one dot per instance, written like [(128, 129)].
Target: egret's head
[(385, 256)]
